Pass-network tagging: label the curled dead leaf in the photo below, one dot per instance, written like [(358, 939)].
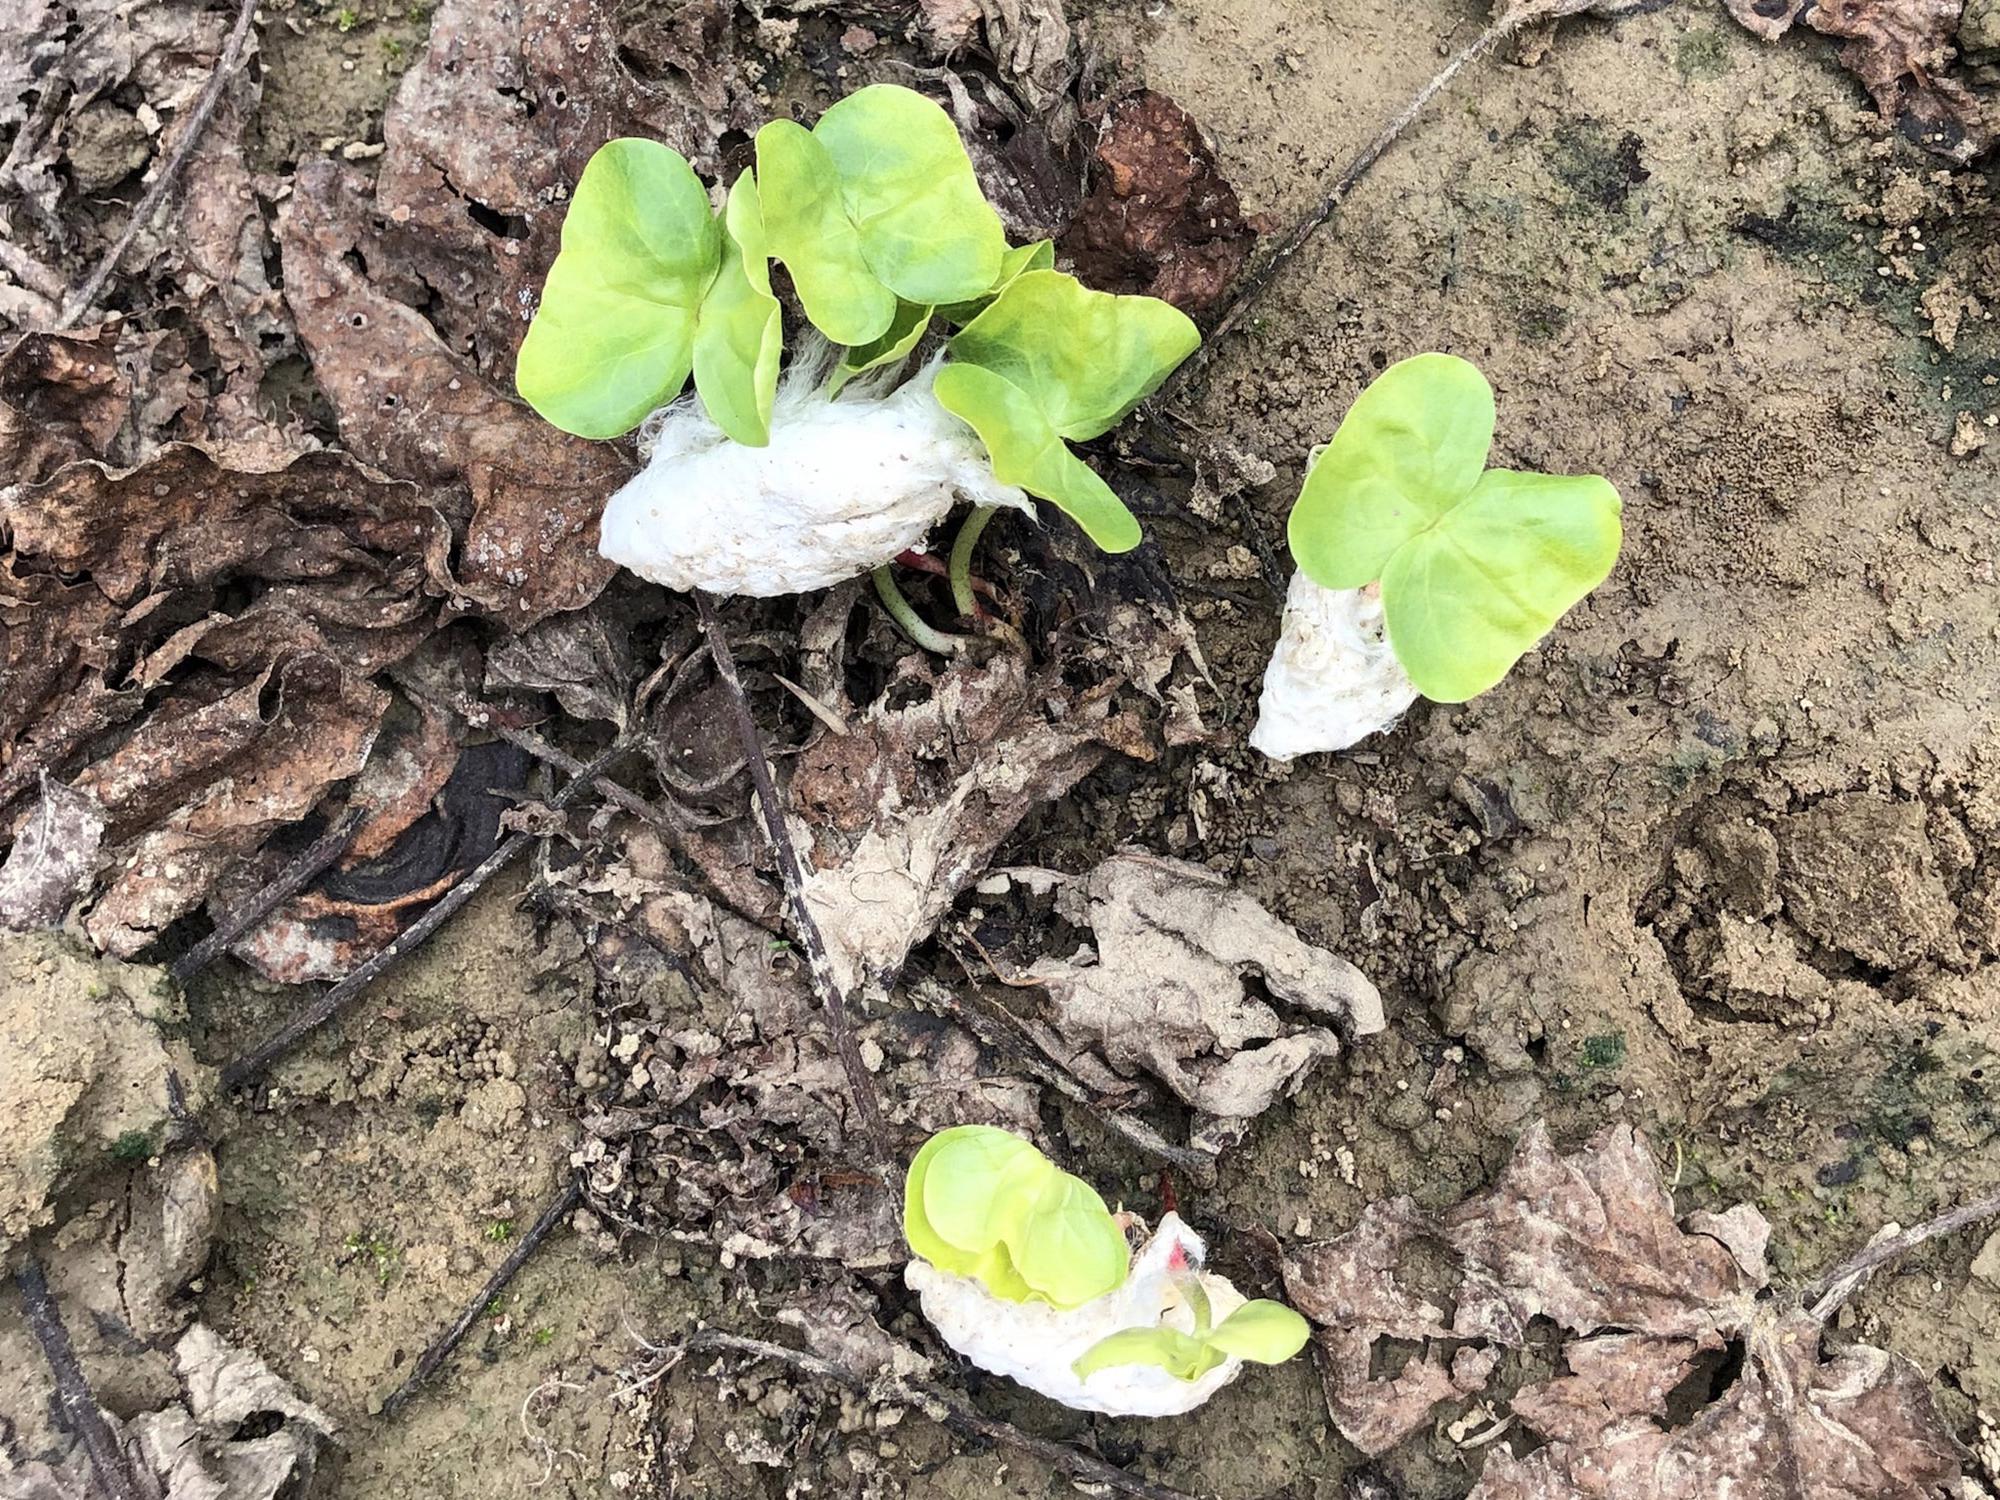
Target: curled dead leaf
[(1169, 990), (1659, 1313)]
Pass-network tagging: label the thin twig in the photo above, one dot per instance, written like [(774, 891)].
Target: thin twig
[(322, 852), (832, 998), (1085, 1468), (614, 792), (1294, 240), (559, 1209), (331, 1001), (1845, 1279), (197, 121), (79, 1408)]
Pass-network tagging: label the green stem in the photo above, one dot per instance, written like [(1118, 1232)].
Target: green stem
[(906, 617), (962, 547), (1197, 1299)]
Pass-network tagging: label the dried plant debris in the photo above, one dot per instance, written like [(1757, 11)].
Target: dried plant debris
[(895, 817), (714, 1106), (1649, 1303), (1176, 984), (1160, 219), (205, 1446), (191, 643), (435, 810), (98, 120), (1902, 51)]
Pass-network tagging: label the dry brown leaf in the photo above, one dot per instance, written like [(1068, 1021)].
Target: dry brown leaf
[(1169, 989), (1160, 219), (410, 405), (1590, 1240), (895, 818), (119, 606), (1899, 49), (1658, 1310), (1350, 1287)]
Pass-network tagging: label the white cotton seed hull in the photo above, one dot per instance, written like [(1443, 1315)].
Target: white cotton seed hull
[(842, 487), (1035, 1344), (1333, 678)]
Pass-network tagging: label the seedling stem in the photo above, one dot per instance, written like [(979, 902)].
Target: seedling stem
[(906, 617)]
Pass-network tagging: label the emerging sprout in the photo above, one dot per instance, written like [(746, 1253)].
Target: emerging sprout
[(1023, 1270), (876, 214), (1471, 566)]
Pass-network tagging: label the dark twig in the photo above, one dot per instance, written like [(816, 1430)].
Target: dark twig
[(322, 852), (1845, 1279), (190, 132), (939, 1406), (79, 1408), (832, 998), (1253, 286), (559, 1209), (330, 1001)]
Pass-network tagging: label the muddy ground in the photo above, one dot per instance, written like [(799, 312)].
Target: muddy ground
[(1722, 859)]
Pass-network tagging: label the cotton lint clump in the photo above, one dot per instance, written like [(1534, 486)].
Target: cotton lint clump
[(1421, 572), (1022, 1270)]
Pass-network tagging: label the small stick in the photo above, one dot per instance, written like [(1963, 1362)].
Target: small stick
[(197, 121), (1845, 1279), (559, 1209), (79, 1408), (832, 999), (614, 792), (1519, 17), (330, 1002), (1082, 1467), (322, 852)]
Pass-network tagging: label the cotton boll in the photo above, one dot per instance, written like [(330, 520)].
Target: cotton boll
[(1333, 679), (842, 487), (1036, 1344)]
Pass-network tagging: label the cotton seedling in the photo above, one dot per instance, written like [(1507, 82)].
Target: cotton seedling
[(1024, 1271), (775, 478), (1420, 570)]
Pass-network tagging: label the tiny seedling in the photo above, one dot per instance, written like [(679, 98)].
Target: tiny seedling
[(1264, 1332), (1475, 564), (878, 217), (984, 1203)]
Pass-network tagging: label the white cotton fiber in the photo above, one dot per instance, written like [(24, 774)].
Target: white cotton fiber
[(1333, 678), (843, 486), (1036, 1344)]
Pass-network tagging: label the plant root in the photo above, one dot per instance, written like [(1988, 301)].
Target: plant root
[(912, 624)]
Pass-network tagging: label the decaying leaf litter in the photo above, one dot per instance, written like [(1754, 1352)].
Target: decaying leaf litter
[(382, 624)]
